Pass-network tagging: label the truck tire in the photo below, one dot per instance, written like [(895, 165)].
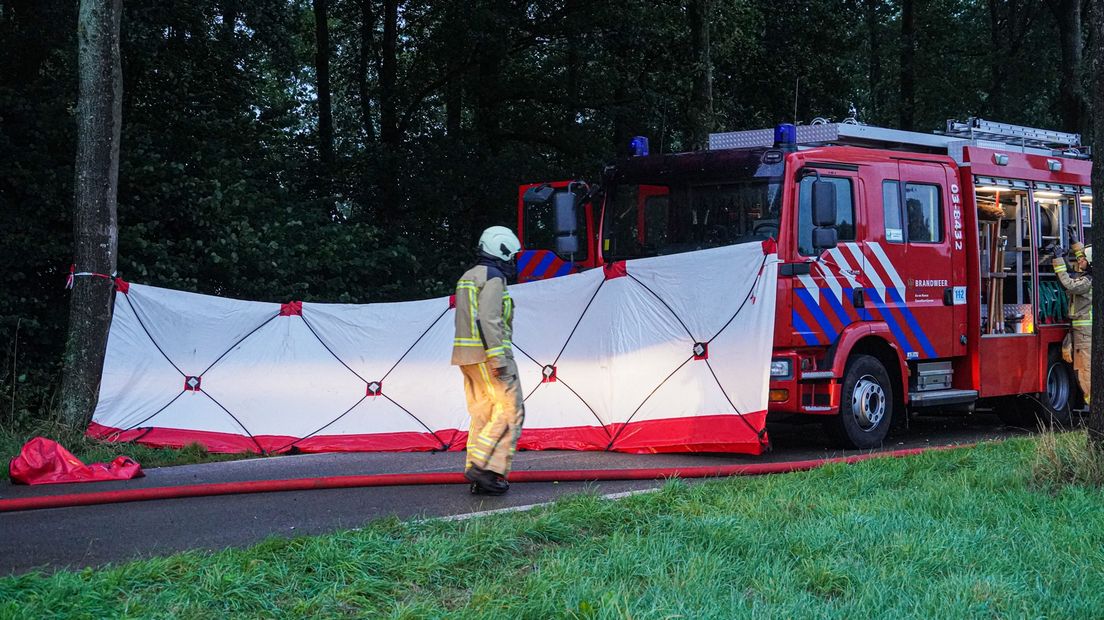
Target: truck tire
[(1054, 407), (867, 403)]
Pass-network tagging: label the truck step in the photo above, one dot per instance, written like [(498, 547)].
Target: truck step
[(942, 397)]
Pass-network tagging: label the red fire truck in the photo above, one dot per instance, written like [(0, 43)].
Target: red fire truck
[(912, 274)]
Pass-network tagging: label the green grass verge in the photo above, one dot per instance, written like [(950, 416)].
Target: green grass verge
[(962, 533), (92, 451)]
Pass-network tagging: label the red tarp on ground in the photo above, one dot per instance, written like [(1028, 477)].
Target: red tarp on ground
[(43, 461)]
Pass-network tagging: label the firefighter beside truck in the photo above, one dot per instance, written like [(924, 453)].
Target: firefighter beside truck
[(1079, 287)]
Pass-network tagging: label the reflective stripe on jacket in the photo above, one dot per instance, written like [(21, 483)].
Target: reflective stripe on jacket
[(484, 318)]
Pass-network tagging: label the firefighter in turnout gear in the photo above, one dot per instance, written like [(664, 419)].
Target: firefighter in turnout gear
[(482, 349), (1079, 287)]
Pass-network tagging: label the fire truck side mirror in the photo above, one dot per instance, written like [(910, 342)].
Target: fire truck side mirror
[(538, 195), (824, 205), (564, 223), (567, 245), (825, 238)]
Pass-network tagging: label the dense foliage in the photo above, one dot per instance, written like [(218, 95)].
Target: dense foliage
[(237, 179)]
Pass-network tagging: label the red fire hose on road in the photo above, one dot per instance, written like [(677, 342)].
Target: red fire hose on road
[(387, 480)]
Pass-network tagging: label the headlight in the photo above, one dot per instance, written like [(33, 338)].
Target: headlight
[(781, 368)]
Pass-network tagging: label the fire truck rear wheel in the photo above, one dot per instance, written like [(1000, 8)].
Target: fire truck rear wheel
[(1054, 407), (867, 404)]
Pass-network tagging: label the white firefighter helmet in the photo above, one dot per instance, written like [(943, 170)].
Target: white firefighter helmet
[(499, 242)]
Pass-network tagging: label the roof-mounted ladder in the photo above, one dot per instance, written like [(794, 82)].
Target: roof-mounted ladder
[(1016, 135), (974, 131)]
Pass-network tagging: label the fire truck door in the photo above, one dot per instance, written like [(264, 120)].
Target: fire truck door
[(824, 296), (910, 264)]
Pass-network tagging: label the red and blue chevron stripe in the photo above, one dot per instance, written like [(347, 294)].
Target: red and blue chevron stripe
[(541, 265), (823, 305)]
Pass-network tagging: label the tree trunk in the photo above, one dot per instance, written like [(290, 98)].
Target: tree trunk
[(1096, 414), (1010, 22), (230, 11), (367, 45), (454, 88), (454, 105), (619, 110), (322, 74), (572, 60), (996, 64), (908, 66), (1070, 94), (390, 132), (99, 120), (490, 50), (699, 13), (874, 35), (389, 118)]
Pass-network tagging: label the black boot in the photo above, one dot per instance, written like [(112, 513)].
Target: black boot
[(485, 482)]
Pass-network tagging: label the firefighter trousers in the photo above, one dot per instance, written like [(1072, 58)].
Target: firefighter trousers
[(497, 413), (1082, 357)]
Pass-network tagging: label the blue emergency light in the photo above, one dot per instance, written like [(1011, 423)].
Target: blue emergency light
[(639, 146), (785, 136)]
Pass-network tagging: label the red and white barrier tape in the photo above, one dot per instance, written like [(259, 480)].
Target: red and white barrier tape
[(73, 274)]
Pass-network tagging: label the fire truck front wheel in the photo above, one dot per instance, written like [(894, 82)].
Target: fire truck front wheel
[(867, 403)]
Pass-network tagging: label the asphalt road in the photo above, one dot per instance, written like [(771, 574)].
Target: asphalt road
[(76, 537)]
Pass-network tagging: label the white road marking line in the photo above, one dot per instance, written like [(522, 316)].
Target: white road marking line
[(528, 507)]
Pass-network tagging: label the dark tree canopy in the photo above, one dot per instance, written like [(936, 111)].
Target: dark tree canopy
[(259, 164)]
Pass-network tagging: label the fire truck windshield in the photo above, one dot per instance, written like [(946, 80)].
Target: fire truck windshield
[(682, 203)]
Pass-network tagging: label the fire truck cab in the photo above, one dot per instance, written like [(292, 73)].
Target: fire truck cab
[(912, 267)]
